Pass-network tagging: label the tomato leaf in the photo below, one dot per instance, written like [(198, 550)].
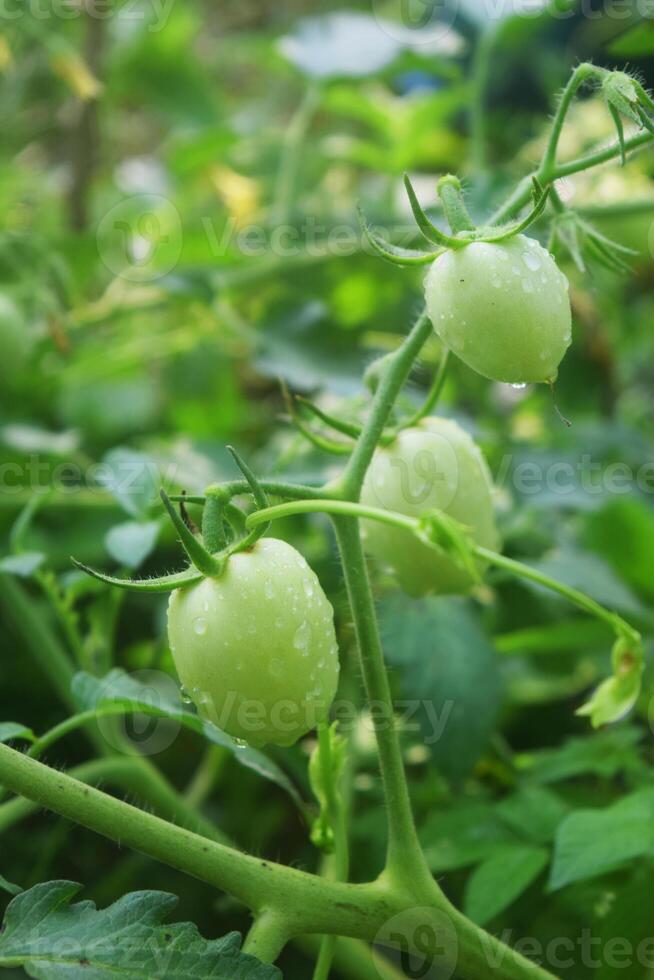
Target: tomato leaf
[(52, 938), (10, 730), (24, 565), (118, 693), (131, 542), (497, 882), (449, 673), (591, 842)]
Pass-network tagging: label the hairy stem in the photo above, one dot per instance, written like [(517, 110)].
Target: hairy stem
[(405, 861), (394, 375), (306, 903), (267, 937)]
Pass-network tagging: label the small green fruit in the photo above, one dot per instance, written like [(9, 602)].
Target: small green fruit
[(434, 466), (503, 309), (256, 648)]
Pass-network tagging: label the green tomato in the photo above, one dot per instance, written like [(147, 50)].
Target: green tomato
[(14, 340), (434, 466), (503, 309), (256, 648)]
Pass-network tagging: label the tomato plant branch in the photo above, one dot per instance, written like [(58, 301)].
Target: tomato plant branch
[(429, 403), (267, 936), (579, 77), (127, 774), (305, 902), (395, 373), (341, 508), (337, 865)]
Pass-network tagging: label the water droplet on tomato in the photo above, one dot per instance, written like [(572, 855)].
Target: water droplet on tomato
[(302, 636), (531, 260), (200, 626)]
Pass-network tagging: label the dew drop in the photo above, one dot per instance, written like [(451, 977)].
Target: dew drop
[(527, 286), (200, 626), (269, 590), (531, 260), (185, 696), (519, 385), (308, 588), (302, 636)]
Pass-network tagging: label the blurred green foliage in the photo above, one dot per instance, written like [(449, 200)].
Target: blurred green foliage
[(178, 186)]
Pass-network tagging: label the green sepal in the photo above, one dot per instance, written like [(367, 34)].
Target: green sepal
[(325, 775), (440, 531), (394, 253), (203, 560), (540, 197), (260, 499), (315, 438), (619, 128), (429, 230), (165, 583), (621, 95), (616, 696), (339, 425)]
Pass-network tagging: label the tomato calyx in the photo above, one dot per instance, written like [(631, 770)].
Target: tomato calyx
[(224, 533), (463, 230)]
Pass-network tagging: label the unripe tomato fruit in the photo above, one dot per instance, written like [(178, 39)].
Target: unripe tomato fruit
[(434, 466), (256, 648), (503, 309), (14, 340)]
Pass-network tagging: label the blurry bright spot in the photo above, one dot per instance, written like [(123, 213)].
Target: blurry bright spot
[(527, 425), (417, 755)]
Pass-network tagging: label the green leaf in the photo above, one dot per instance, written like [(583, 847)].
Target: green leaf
[(53, 939), (118, 693), (132, 542), (592, 842), (6, 886), (448, 672), (499, 880), (604, 754), (591, 575), (132, 478), (533, 812), (10, 730), (24, 565), (622, 532), (637, 42), (467, 832)]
